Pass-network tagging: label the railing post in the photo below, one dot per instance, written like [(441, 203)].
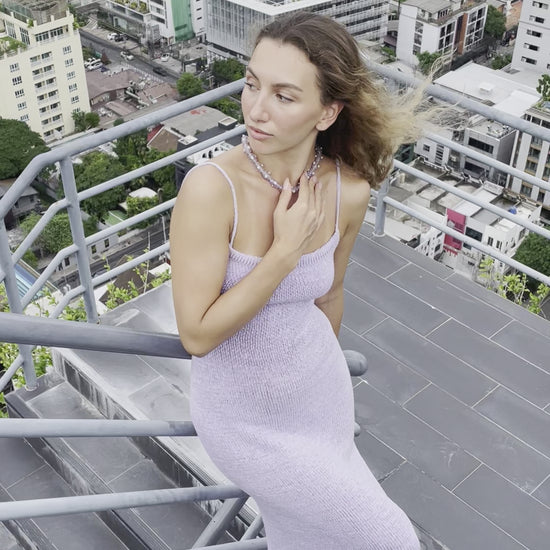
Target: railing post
[(79, 239), (10, 282), (380, 213)]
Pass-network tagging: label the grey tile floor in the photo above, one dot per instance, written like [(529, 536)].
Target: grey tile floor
[(456, 398), (454, 408)]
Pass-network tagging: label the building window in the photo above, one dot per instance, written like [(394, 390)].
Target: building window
[(24, 118), (106, 243), (541, 196), (525, 189), (540, 5), (94, 249), (19, 93), (56, 32), (535, 19), (75, 99), (24, 36), (426, 148), (71, 75), (42, 36), (73, 87), (490, 241), (14, 67), (529, 60), (472, 142), (21, 106), (531, 47), (69, 62), (10, 29), (66, 50), (17, 80), (536, 34)]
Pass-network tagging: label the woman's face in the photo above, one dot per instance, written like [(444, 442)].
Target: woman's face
[(281, 100)]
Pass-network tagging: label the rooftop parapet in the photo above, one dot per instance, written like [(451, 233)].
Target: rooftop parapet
[(39, 11)]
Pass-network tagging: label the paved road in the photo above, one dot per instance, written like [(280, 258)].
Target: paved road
[(113, 49), (150, 239)]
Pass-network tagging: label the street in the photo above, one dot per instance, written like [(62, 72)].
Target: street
[(150, 238), (112, 51)]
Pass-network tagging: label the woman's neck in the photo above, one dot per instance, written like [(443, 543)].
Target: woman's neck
[(289, 164)]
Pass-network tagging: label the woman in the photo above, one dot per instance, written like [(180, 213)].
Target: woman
[(260, 240)]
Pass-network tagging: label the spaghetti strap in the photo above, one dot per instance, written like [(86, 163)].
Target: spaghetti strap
[(338, 186), (232, 187)]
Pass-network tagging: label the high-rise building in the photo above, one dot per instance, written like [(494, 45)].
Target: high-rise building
[(149, 20), (532, 155), (439, 26), (232, 24), (41, 66), (532, 48)]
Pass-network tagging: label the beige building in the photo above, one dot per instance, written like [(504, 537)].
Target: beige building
[(41, 66)]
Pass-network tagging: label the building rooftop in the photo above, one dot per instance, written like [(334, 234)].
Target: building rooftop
[(504, 91), (431, 6), (454, 407)]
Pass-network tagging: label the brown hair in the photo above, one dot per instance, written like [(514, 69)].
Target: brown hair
[(373, 122)]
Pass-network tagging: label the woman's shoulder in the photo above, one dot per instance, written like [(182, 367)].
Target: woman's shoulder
[(355, 188)]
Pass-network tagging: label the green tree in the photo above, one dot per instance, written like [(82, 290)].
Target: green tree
[(96, 168), (227, 70), (495, 24), (501, 61), (57, 233), (84, 121), (534, 252), (229, 107), (426, 61), (136, 205), (18, 146), (543, 87), (132, 149), (189, 85)]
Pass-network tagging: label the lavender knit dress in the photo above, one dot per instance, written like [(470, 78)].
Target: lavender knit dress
[(273, 407)]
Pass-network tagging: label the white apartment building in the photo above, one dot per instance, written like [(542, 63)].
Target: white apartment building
[(150, 20), (532, 155), (488, 228), (43, 72), (444, 26), (532, 48), (232, 24)]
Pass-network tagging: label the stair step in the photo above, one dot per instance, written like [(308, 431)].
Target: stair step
[(7, 540), (28, 477), (105, 465)]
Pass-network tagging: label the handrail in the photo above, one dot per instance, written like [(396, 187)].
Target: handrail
[(23, 329), (48, 507), (79, 427)]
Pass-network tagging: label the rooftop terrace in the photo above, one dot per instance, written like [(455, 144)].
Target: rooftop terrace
[(454, 408)]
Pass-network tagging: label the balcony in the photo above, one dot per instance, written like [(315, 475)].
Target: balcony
[(453, 409)]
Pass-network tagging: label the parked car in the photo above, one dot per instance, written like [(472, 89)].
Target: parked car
[(119, 38), (95, 64), (112, 35), (164, 57), (160, 70), (126, 55)]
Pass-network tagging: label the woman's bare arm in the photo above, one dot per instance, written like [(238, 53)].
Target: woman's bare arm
[(199, 235)]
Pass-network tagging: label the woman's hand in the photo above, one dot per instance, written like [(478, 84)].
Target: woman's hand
[(295, 226)]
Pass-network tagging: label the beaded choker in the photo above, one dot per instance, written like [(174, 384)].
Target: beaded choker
[(310, 172)]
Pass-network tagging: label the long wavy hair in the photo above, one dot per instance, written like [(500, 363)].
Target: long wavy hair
[(373, 122)]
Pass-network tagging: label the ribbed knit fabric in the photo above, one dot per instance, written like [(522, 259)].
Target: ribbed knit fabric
[(273, 407)]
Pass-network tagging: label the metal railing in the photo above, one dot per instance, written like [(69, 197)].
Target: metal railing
[(30, 331)]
